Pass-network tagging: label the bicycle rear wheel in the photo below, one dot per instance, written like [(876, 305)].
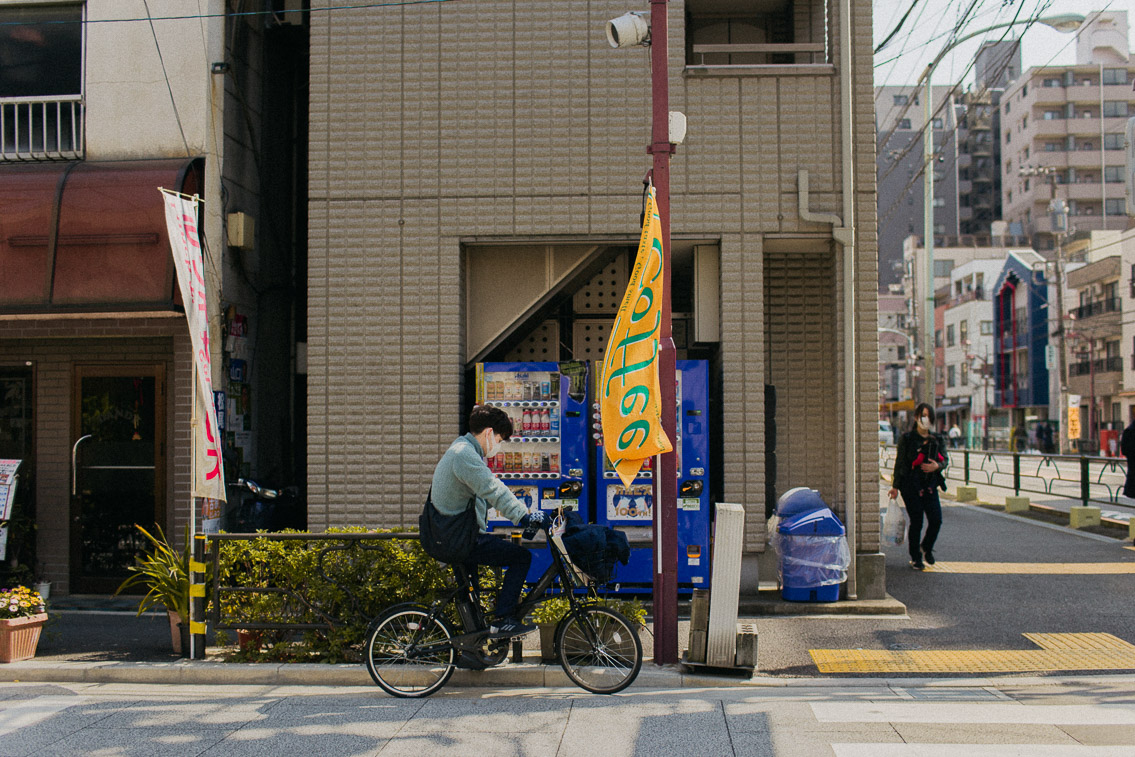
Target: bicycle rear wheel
[(408, 653), (599, 650)]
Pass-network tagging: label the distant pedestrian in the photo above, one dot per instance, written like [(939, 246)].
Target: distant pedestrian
[(919, 463), (1127, 448), (955, 436)]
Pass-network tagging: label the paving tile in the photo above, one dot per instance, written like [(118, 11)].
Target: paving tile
[(983, 733), (466, 743), (130, 742), (489, 716), (223, 715), (1100, 735), (647, 726)]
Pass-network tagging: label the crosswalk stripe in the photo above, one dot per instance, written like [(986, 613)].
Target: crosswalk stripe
[(28, 712), (978, 750), (973, 713)]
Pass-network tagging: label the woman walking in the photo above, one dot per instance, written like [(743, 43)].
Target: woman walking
[(918, 475)]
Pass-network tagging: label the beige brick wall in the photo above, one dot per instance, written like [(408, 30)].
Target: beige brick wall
[(55, 348), (515, 121)]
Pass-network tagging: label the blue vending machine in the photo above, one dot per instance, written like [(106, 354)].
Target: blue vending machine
[(546, 462), (631, 509)]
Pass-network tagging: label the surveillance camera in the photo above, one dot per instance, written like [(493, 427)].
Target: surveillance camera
[(630, 29)]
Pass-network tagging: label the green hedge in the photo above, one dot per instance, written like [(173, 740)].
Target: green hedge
[(364, 582)]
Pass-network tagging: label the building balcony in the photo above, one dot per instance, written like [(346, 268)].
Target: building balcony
[(41, 128), (1102, 377), (1056, 127), (1097, 308)]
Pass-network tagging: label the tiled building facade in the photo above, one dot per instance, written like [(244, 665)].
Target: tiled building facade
[(439, 131)]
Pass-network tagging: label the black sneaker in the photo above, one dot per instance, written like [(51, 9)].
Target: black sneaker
[(928, 556), (509, 629), (917, 565)]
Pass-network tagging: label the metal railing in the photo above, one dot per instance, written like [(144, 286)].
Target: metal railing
[(1102, 365), (1077, 477), (41, 128), (1099, 307)]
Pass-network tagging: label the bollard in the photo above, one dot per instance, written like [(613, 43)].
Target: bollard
[(1085, 481), (197, 599), (1017, 473), (965, 463), (699, 625)]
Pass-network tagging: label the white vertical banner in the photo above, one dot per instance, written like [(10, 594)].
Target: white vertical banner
[(181, 222)]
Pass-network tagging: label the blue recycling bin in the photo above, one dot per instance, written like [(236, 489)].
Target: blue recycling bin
[(812, 542)]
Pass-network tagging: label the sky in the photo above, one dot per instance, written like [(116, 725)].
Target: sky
[(926, 33)]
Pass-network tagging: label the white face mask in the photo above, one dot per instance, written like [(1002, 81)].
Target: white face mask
[(492, 446), (924, 422)]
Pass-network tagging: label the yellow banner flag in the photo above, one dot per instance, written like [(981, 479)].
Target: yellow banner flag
[(630, 398)]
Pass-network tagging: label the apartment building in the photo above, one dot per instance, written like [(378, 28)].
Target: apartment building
[(101, 107), (471, 165), (1094, 346), (894, 355), (949, 252), (899, 125), (1020, 345), (1069, 120), (968, 348), (979, 136)]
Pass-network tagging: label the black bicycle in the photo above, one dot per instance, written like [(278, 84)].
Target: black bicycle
[(412, 650)]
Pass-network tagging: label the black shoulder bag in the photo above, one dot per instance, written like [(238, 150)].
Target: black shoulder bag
[(448, 538)]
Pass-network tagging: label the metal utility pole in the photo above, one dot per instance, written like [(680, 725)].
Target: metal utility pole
[(666, 474)]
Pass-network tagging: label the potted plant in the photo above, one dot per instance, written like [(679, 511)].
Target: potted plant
[(42, 585), (22, 615), (164, 573), (547, 616)]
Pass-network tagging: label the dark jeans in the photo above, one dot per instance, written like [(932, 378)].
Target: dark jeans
[(919, 504), (501, 553)]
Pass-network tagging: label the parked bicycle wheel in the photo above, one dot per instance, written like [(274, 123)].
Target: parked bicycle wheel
[(408, 653), (600, 651)]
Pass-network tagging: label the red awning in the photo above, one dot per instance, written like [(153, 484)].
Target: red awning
[(89, 236)]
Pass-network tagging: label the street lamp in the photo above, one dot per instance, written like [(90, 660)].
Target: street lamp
[(1066, 22), (986, 377)]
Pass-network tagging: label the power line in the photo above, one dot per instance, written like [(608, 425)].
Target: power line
[(898, 26), (169, 86), (151, 19)]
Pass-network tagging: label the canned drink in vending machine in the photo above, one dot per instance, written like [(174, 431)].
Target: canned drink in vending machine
[(546, 390), (545, 462), (554, 462)]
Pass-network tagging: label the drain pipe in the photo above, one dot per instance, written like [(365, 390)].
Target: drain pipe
[(846, 237), (844, 233)]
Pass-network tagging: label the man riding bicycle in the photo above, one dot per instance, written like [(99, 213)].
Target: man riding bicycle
[(462, 474)]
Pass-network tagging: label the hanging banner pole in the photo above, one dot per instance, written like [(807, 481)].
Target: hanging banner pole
[(208, 478)]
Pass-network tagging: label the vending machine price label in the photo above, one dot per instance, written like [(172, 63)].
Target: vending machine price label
[(695, 561), (687, 503), (572, 503)]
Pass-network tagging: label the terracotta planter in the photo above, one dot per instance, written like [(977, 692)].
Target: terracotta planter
[(20, 636), (548, 642), (178, 634)]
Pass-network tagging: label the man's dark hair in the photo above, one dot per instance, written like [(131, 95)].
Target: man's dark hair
[(484, 417)]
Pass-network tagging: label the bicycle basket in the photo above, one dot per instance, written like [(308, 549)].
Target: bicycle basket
[(578, 577)]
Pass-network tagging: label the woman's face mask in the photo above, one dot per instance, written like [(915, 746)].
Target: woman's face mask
[(924, 422)]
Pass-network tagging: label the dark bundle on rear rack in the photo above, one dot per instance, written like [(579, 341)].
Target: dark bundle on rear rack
[(594, 548)]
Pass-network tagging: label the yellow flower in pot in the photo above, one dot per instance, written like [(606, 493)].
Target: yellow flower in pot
[(22, 615)]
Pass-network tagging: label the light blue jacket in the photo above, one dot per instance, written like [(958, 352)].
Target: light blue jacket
[(462, 473)]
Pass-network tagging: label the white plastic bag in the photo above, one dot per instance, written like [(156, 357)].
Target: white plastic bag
[(895, 523)]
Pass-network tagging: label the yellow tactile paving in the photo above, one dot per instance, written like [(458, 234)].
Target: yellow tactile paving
[(1062, 651), (1036, 568)]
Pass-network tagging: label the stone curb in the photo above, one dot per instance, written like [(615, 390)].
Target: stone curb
[(524, 675)]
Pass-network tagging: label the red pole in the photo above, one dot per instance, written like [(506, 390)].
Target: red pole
[(666, 474)]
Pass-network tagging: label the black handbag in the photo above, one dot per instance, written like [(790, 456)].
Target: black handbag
[(448, 538)]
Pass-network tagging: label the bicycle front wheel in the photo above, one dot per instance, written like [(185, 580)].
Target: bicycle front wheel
[(408, 653), (599, 650)]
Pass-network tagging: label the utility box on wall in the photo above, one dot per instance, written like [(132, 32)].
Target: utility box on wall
[(241, 230)]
